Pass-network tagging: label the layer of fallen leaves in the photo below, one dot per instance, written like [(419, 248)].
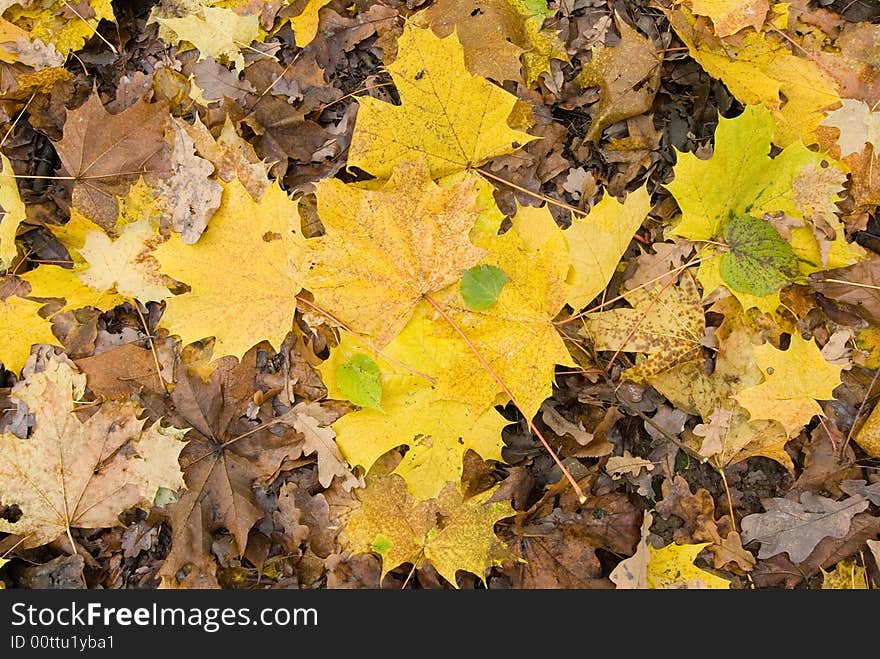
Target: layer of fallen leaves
[(238, 350)]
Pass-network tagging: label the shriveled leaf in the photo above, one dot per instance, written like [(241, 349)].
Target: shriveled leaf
[(797, 527), (74, 474), (192, 197)]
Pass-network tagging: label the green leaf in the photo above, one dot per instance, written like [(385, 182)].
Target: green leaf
[(358, 379), (759, 261), (481, 286)]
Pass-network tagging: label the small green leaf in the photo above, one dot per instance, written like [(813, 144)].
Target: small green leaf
[(759, 261), (481, 286), (358, 378)]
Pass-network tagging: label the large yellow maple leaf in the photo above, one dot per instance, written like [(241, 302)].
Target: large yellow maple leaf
[(455, 119), (438, 432), (384, 249), (794, 380), (20, 328), (244, 273)]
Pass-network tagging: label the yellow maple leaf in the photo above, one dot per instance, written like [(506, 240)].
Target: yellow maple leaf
[(60, 23), (21, 327), (760, 69), (673, 567), (515, 338), (451, 532), (216, 32), (438, 432), (81, 474), (13, 213), (244, 274), (667, 324), (794, 380), (384, 249), (121, 262), (455, 119)]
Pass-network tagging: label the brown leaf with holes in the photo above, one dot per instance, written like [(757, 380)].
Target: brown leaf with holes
[(106, 153)]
